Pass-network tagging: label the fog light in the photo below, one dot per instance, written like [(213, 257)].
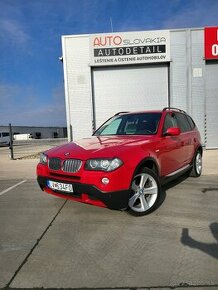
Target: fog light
[(105, 180)]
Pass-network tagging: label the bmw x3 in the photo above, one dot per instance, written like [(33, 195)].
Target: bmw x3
[(126, 161)]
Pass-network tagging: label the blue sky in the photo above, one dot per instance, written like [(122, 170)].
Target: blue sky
[(31, 75)]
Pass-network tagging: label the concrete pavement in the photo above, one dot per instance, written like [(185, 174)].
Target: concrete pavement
[(50, 243), (210, 162), (24, 168), (47, 242)]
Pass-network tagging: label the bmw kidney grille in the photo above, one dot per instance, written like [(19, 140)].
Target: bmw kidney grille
[(69, 165), (54, 163), (72, 165)]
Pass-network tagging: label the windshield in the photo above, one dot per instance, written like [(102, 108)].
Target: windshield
[(131, 124)]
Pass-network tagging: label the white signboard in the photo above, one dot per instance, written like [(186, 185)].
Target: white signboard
[(129, 48)]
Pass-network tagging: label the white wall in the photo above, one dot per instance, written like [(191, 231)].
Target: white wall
[(77, 78)]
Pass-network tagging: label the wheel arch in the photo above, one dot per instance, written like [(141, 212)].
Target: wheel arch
[(199, 148), (148, 162), (151, 168), (196, 172)]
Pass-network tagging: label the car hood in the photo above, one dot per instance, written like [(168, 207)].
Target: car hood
[(98, 147)]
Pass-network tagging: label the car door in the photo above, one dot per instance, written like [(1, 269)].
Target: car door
[(170, 149), (187, 143)]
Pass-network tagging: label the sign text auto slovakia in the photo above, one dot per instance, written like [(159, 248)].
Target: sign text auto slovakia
[(130, 48)]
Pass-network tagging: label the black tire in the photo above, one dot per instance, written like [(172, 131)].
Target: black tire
[(196, 165), (146, 193)]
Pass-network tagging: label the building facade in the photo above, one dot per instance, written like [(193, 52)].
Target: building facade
[(38, 132), (143, 70)]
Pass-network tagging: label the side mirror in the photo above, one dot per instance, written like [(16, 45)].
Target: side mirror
[(172, 132)]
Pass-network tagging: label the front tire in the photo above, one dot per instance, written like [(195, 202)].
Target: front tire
[(145, 193), (197, 165)]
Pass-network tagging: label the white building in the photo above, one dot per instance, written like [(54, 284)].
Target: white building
[(143, 70)]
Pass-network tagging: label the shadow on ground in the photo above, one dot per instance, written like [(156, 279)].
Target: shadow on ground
[(208, 248)]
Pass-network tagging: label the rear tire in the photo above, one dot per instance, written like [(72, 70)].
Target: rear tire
[(197, 165), (145, 193)]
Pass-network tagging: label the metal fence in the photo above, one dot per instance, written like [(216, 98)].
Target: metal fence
[(31, 148)]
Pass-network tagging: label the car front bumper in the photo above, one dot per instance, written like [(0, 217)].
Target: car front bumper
[(88, 194)]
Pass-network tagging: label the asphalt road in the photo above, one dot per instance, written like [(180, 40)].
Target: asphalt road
[(52, 243)]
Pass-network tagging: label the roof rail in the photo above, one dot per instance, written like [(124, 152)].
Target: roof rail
[(171, 108), (119, 113)]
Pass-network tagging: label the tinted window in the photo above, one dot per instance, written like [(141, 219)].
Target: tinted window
[(183, 122), (5, 134), (170, 122), (131, 124), (191, 122)]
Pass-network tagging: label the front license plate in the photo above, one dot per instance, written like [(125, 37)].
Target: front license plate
[(60, 186)]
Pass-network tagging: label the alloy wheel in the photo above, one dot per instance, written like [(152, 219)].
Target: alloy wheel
[(198, 163), (145, 193)]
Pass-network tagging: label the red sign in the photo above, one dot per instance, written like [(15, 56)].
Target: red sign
[(211, 43)]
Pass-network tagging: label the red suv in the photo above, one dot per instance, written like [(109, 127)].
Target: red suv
[(125, 162)]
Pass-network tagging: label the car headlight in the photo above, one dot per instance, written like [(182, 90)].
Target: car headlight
[(103, 164), (43, 158)]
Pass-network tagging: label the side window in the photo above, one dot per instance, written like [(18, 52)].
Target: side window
[(169, 122), (5, 134), (191, 122), (183, 122), (0, 134)]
